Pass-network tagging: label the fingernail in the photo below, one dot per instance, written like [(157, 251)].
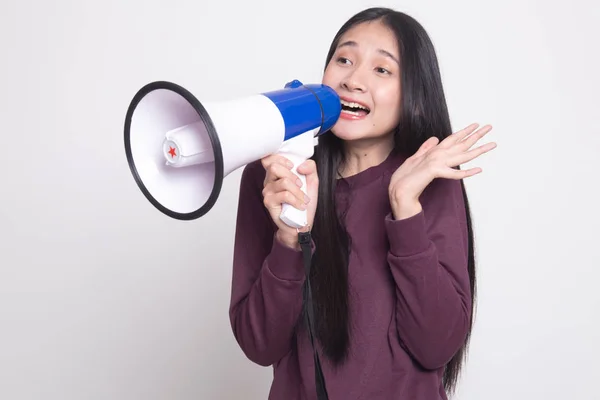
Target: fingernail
[(299, 182), (290, 164), (306, 199)]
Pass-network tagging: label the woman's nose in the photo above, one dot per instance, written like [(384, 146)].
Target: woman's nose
[(354, 82)]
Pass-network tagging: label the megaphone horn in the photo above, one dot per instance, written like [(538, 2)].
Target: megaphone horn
[(180, 149)]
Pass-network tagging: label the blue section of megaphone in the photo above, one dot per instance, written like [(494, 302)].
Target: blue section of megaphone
[(306, 107)]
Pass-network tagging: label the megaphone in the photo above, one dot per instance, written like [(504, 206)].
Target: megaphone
[(180, 149)]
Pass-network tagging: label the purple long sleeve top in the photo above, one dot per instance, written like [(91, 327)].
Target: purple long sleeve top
[(410, 295)]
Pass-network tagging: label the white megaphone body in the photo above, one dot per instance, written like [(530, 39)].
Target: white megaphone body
[(180, 149)]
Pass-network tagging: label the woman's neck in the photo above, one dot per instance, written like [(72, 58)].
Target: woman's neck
[(364, 154)]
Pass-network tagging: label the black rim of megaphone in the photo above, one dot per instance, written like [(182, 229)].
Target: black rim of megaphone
[(212, 132)]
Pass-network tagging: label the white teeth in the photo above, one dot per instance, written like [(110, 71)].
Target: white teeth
[(353, 105)]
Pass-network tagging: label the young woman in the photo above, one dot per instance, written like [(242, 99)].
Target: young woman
[(392, 273)]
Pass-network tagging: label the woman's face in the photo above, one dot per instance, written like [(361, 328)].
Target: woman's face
[(365, 73)]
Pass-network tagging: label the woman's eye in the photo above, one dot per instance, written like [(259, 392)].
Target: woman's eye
[(343, 60), (382, 70)]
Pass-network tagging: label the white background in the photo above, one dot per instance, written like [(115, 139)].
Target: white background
[(104, 297)]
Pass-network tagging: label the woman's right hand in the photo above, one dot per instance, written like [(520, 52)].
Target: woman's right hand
[(281, 186)]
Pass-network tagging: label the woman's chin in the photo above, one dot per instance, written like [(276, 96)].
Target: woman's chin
[(352, 132), (345, 134), (346, 130), (357, 134)]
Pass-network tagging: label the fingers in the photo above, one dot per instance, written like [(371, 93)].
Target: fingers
[(458, 136), (462, 174), (472, 154), (466, 157), (277, 167), (457, 174), (275, 158), (281, 185), (470, 140), (284, 190)]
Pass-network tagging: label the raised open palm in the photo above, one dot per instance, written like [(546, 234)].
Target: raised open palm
[(436, 159)]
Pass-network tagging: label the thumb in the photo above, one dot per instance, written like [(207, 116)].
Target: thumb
[(308, 167), (426, 146)]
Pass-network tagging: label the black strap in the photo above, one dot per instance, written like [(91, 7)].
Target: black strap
[(304, 239)]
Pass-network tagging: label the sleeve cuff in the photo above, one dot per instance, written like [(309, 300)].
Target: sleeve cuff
[(408, 236), (286, 263)]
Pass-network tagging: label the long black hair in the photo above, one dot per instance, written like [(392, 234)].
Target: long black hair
[(424, 113)]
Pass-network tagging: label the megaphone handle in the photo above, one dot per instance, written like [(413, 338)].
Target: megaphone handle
[(297, 150), (292, 216)]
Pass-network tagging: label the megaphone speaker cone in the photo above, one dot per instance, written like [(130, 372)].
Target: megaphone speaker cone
[(167, 127), (179, 149)]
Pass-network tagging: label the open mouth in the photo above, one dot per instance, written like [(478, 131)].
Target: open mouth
[(354, 108)]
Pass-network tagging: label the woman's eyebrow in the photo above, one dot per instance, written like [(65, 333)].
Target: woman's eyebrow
[(352, 43)]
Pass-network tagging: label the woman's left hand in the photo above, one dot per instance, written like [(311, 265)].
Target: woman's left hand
[(434, 160)]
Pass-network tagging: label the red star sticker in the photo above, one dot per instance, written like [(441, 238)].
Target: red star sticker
[(172, 151)]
